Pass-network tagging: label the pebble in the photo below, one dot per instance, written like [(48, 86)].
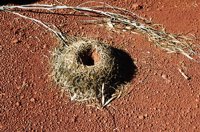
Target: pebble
[(44, 46), (18, 104), (15, 41), (74, 119), (197, 106), (1, 126), (137, 6), (32, 100), (164, 76), (141, 117)]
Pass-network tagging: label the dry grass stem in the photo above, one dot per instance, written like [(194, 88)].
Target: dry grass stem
[(183, 74), (172, 43)]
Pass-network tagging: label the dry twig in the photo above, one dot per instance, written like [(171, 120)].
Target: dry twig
[(183, 74), (171, 43)]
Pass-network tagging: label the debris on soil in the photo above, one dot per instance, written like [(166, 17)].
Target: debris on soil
[(183, 74), (18, 103), (136, 6), (15, 41), (172, 43), (141, 117), (32, 99)]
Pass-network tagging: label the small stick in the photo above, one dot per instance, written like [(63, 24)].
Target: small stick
[(183, 74), (102, 95), (55, 31)]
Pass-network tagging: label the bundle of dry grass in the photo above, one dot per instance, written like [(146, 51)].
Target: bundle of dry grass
[(87, 69)]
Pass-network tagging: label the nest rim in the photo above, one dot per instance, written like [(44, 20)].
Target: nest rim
[(104, 68)]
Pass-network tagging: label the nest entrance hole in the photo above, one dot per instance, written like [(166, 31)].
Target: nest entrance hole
[(89, 57)]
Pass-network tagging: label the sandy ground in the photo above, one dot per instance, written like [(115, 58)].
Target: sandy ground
[(161, 99)]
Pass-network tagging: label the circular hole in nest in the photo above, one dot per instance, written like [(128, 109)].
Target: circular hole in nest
[(89, 57)]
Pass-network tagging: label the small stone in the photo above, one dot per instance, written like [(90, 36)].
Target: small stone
[(22, 96), (15, 41), (18, 104), (197, 106), (141, 117), (137, 6), (164, 76), (127, 126), (44, 46), (32, 100), (18, 87), (74, 119), (2, 94), (1, 126)]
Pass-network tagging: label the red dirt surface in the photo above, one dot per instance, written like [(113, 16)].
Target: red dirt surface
[(161, 98)]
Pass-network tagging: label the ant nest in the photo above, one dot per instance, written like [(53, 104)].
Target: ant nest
[(87, 70)]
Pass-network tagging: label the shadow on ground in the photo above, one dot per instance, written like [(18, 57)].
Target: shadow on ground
[(19, 2), (126, 72)]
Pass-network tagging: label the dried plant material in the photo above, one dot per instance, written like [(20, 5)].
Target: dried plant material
[(183, 74), (88, 70), (48, 26), (169, 42), (74, 68)]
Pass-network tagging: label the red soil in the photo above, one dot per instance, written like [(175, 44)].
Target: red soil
[(161, 98), (95, 56)]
